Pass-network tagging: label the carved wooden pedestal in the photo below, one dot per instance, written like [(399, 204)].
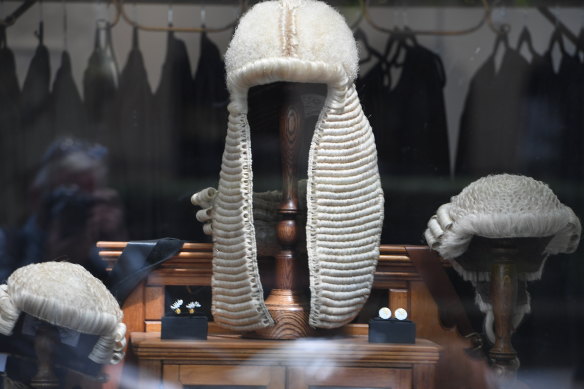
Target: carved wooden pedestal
[(504, 259), (286, 303), (45, 341), (289, 309), (504, 298)]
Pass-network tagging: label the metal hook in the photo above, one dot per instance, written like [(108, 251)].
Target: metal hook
[(99, 10), (503, 28), (170, 15), (40, 33), (101, 23), (104, 17), (65, 26), (404, 14), (135, 38)]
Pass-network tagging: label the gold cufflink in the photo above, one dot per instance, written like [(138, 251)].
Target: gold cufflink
[(176, 306), (192, 305)]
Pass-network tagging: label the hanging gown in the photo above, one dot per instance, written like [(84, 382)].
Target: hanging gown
[(554, 143), (100, 82), (491, 118), (68, 110), (373, 94), (580, 108), (571, 80), (173, 102), (409, 123), (10, 147), (539, 147), (418, 128), (37, 131), (203, 145), (203, 140), (417, 116), (409, 119), (131, 157), (551, 138)]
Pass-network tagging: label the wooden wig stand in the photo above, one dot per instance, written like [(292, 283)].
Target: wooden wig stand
[(504, 259), (45, 340), (286, 303)]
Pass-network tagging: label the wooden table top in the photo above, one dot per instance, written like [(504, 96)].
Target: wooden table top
[(233, 349)]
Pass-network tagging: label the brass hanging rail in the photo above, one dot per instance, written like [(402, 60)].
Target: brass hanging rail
[(364, 14), (487, 18), (545, 11), (25, 6), (121, 10), (120, 13), (11, 19)]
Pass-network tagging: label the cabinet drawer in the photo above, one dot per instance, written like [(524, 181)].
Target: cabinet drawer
[(276, 377), (224, 376), (329, 377)]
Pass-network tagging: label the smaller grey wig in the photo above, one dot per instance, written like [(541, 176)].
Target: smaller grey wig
[(502, 206), (66, 295)]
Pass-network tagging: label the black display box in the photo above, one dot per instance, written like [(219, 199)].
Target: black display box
[(185, 327), (392, 331)]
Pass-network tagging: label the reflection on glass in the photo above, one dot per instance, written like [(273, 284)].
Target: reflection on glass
[(224, 387), (343, 387)]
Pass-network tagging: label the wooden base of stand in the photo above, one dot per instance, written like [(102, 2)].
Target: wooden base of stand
[(46, 338), (502, 355), (504, 259), (287, 306), (290, 313)]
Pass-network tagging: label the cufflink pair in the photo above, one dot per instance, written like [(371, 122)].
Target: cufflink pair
[(400, 313), (190, 306)]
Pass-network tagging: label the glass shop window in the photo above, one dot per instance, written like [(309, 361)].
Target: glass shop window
[(107, 130)]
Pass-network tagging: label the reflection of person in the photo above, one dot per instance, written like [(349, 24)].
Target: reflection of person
[(71, 209)]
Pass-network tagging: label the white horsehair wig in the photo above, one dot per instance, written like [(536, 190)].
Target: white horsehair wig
[(302, 41), (67, 295), (502, 206)]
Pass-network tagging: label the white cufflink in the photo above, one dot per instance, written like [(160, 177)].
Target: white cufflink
[(401, 314), (385, 313)]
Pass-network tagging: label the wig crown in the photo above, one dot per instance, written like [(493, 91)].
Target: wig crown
[(66, 295)]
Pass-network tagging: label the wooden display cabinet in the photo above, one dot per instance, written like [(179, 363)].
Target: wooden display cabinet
[(396, 277), (230, 361)]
